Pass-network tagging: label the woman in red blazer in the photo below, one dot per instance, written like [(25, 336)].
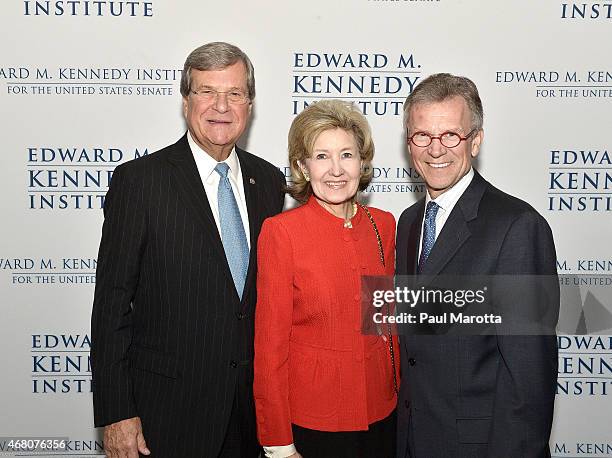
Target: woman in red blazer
[(323, 388)]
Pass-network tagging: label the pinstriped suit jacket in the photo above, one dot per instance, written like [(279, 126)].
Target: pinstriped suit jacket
[(169, 332)]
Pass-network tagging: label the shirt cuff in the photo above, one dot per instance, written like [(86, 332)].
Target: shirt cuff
[(280, 451)]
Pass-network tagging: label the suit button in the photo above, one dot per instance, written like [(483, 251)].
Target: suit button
[(412, 361), (240, 316), (407, 404), (233, 364)]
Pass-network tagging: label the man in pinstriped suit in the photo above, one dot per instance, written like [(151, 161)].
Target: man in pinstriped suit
[(172, 337)]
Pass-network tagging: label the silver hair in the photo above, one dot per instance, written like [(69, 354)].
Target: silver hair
[(216, 56), (443, 86)]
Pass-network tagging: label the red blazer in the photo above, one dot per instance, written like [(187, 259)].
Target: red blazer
[(313, 365)]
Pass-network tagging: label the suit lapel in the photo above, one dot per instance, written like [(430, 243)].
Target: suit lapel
[(252, 192), (189, 184), (453, 235), (191, 189), (412, 249), (412, 255), (456, 231)]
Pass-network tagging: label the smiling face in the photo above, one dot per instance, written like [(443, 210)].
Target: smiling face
[(334, 168), (216, 124), (443, 167)]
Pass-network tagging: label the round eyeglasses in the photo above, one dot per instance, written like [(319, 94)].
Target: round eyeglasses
[(448, 139)]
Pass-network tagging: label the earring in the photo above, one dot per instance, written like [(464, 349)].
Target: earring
[(307, 177)]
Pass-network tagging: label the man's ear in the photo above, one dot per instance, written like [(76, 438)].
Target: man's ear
[(185, 105), (408, 144), (476, 142)]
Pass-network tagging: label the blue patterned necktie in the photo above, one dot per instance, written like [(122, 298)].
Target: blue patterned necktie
[(429, 232), (232, 230)]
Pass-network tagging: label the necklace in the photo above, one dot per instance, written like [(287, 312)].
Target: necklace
[(347, 222)]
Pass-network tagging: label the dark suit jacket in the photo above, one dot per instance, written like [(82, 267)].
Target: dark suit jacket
[(170, 336), (479, 396)]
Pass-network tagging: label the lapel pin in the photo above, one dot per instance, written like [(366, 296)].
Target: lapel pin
[(252, 180)]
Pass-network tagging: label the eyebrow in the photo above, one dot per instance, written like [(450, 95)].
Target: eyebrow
[(427, 131), (207, 86), (323, 150)]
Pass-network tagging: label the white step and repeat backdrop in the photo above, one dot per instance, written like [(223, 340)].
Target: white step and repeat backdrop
[(86, 85)]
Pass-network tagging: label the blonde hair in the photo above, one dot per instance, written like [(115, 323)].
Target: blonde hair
[(310, 123)]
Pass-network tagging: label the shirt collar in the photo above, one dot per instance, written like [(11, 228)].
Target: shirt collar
[(206, 163), (449, 198)]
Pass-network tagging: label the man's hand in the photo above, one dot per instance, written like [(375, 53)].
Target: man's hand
[(124, 439)]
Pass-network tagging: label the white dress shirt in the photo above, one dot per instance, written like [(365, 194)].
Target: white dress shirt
[(210, 179), (447, 201)]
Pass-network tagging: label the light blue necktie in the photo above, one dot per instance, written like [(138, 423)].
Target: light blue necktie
[(232, 230), (429, 232)]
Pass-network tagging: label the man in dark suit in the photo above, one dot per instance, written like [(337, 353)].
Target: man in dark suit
[(172, 321), (472, 395)]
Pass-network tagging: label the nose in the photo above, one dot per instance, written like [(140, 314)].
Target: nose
[(221, 104), (436, 149), (336, 168)]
